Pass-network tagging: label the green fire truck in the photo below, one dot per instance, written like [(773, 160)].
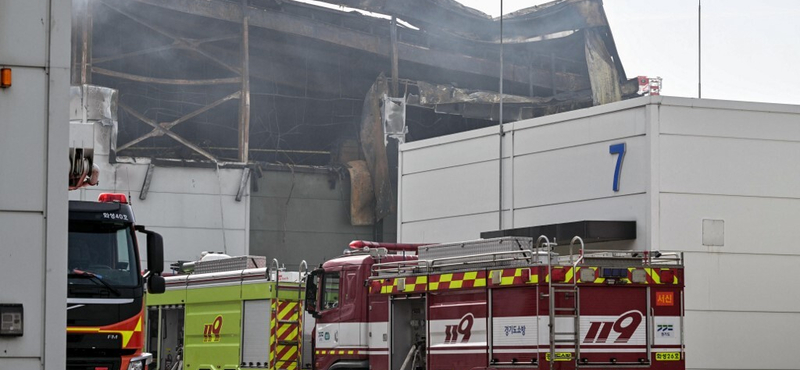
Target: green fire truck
[(226, 313)]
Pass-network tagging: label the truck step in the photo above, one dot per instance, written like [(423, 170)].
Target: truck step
[(288, 342), (564, 290), (564, 341), (568, 309), (288, 322)]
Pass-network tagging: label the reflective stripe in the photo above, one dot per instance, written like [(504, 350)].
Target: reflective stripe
[(99, 300)]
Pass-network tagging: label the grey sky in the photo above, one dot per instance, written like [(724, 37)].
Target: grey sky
[(751, 48)]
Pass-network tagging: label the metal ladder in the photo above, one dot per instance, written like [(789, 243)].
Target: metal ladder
[(571, 311), (289, 318)]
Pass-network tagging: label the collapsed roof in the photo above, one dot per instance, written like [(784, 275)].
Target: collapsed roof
[(307, 67)]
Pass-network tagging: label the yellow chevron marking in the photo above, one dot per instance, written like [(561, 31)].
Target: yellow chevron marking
[(292, 350), (471, 275), (446, 278), (288, 310), (480, 282), (570, 273), (654, 275), (434, 286), (456, 284)]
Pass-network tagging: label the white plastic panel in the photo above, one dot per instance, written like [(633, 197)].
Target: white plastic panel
[(22, 279), (255, 332), (22, 136), (23, 26)]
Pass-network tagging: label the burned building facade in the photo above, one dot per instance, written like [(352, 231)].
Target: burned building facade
[(309, 98)]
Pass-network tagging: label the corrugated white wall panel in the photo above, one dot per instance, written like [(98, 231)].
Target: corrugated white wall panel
[(732, 282), (579, 173), (534, 136), (752, 224), (449, 229), (731, 123), (451, 191), (478, 147), (741, 340), (739, 167)]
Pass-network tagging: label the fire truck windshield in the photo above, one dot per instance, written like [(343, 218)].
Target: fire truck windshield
[(105, 250)]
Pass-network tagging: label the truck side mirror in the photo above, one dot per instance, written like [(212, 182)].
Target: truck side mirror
[(155, 250), (156, 284), (311, 293)]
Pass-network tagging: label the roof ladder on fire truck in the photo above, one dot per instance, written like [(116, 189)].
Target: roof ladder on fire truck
[(560, 333), (288, 315)]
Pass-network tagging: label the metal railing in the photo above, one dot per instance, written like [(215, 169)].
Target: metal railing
[(542, 253)]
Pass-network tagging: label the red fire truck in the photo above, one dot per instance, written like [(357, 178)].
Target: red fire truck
[(508, 302)]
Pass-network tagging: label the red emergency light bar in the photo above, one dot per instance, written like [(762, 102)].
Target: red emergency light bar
[(396, 247), (112, 197)]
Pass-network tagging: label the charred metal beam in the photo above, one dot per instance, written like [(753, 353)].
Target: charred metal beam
[(453, 19), (181, 42), (169, 125), (244, 106), (243, 184), (148, 177), (82, 25), (135, 53), (395, 67), (307, 27), (169, 133), (165, 81), (276, 71)]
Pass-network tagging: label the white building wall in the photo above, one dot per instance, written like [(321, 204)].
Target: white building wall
[(34, 43), (736, 164), (194, 209), (686, 161)]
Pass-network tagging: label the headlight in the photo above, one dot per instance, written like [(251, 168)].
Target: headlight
[(136, 365)]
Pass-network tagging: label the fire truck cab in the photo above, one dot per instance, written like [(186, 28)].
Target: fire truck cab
[(509, 302)]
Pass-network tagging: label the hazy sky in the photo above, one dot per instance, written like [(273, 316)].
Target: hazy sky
[(751, 48)]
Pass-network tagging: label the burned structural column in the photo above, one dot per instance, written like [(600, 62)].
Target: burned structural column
[(395, 62), (244, 106), (81, 42), (602, 70)]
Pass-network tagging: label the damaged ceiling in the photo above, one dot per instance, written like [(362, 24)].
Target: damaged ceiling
[(282, 81)]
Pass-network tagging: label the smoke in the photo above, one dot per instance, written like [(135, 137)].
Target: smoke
[(310, 64)]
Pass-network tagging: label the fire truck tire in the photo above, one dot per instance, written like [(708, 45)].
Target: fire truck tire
[(350, 365)]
